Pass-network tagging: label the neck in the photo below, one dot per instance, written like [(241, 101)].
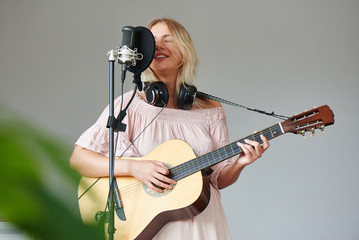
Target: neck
[(170, 81)]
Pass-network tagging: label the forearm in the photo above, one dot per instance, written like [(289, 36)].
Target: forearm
[(252, 150), (92, 164), (229, 174)]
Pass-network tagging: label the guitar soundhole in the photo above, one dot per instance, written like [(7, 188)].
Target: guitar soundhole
[(152, 193), (164, 192)]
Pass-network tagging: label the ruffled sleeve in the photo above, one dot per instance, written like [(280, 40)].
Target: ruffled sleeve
[(96, 138)]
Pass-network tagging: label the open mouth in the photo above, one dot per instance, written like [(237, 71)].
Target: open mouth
[(161, 56)]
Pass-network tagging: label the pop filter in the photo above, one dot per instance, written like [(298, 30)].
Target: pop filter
[(145, 44)]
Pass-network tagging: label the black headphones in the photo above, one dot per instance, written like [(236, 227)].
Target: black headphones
[(157, 95)]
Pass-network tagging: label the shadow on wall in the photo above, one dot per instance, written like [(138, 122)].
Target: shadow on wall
[(26, 200)]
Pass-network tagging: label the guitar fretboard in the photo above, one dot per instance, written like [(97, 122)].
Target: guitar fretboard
[(197, 164)]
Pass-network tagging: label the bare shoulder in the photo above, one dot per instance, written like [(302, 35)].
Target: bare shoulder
[(207, 103), (214, 104)]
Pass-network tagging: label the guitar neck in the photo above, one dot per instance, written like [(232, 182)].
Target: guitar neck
[(197, 164)]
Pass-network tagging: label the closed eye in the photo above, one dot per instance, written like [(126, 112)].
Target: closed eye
[(167, 38)]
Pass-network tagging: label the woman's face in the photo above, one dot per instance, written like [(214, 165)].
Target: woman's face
[(167, 59)]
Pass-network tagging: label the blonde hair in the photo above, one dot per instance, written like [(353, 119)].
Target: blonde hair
[(183, 41)]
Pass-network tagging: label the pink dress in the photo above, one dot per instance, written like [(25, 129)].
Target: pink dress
[(203, 129)]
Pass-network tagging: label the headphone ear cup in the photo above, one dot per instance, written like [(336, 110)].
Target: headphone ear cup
[(157, 94), (186, 96)]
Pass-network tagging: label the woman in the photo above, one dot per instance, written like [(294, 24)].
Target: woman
[(203, 127)]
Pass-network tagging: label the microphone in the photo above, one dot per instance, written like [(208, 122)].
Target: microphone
[(146, 46), (138, 44), (126, 52)]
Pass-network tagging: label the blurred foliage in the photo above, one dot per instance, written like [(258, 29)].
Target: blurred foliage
[(34, 167)]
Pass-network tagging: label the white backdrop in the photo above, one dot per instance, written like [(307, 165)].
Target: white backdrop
[(282, 56)]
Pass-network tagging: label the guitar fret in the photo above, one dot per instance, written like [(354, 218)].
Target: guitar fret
[(212, 155), (257, 137), (231, 148), (225, 151), (192, 162), (183, 170), (271, 131), (203, 161), (199, 165), (253, 138), (236, 148), (216, 154)]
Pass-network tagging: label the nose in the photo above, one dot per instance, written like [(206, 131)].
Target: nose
[(159, 44)]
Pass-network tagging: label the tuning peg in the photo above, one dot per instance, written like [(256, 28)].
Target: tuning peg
[(302, 133), (313, 132), (321, 128)]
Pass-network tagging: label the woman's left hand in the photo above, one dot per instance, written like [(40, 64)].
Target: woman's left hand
[(252, 150)]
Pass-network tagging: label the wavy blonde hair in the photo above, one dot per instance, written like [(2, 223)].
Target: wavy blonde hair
[(183, 41)]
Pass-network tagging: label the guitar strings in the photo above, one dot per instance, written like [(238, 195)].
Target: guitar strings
[(210, 158), (181, 170)]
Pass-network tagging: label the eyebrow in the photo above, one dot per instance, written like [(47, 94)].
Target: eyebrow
[(164, 36)]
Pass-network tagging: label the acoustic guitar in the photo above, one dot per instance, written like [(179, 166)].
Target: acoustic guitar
[(146, 211)]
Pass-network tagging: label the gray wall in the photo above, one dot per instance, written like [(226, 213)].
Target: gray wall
[(282, 56)]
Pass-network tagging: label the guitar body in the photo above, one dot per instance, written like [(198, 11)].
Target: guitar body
[(147, 211)]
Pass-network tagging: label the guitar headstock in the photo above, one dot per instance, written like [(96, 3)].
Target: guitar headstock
[(309, 121)]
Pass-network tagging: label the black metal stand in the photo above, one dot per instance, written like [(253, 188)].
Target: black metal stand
[(114, 125), (111, 205), (146, 42)]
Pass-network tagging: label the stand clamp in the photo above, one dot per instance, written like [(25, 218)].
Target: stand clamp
[(116, 123)]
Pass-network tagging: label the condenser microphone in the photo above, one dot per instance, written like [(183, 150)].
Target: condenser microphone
[(145, 44), (136, 52), (126, 50)]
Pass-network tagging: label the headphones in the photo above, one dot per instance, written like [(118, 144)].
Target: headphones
[(157, 95)]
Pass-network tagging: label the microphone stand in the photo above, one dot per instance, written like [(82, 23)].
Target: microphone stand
[(114, 125), (111, 208), (114, 202)]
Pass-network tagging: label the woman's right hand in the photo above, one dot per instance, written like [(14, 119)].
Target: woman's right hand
[(151, 173)]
